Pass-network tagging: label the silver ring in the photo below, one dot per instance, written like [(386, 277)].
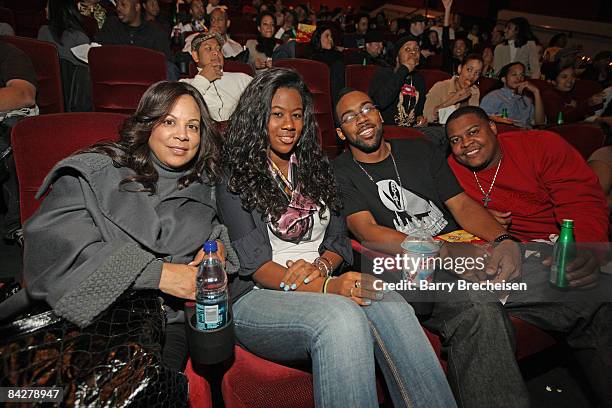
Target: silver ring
[(351, 292), (357, 284)]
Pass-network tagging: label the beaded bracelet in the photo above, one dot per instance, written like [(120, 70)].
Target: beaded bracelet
[(323, 265)]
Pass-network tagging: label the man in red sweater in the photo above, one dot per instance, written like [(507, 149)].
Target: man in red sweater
[(530, 182)]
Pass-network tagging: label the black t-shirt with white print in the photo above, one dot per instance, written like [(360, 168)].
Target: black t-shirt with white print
[(426, 181)]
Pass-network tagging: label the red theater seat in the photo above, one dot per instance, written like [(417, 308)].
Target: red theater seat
[(316, 76), (540, 83), (486, 85), (45, 59), (585, 137), (585, 88), (253, 382), (400, 132), (431, 76), (360, 76), (237, 66), (120, 74), (41, 141), (435, 61)]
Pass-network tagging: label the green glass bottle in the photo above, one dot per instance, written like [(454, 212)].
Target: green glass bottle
[(365, 62), (504, 113), (563, 253), (560, 118)]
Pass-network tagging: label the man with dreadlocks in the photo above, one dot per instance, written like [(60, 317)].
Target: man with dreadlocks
[(398, 91)]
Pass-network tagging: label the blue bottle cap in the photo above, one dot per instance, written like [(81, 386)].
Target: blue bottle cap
[(210, 246)]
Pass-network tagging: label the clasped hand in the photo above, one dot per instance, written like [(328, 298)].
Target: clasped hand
[(180, 280), (358, 287), (583, 271)]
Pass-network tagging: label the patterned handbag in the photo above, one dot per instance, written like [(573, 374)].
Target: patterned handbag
[(115, 361)]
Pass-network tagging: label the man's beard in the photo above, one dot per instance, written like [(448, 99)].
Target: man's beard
[(368, 148)]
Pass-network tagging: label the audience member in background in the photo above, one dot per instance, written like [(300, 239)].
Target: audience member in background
[(289, 26), (452, 52), (155, 182), (221, 90), (487, 63), (561, 100), (151, 14), (497, 36), (219, 23), (324, 50), (519, 45), (474, 35), (197, 18), (433, 44), (371, 54), (301, 13), (566, 57), (92, 8), (65, 28), (557, 42), (601, 163), (261, 48), (213, 4), (357, 39), (381, 22), (399, 92), (417, 29), (600, 69), (282, 210), (518, 106), (460, 90), (539, 180), (17, 100), (128, 28)]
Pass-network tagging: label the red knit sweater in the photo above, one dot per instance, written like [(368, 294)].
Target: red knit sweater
[(541, 180)]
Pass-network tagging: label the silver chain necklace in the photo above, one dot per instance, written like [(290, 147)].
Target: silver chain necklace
[(396, 173), (487, 196)]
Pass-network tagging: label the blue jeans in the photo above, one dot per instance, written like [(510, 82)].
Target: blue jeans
[(343, 340)]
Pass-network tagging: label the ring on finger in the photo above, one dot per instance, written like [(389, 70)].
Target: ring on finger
[(351, 292), (357, 284)]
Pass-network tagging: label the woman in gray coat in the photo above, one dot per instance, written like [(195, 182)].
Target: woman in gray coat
[(129, 215)]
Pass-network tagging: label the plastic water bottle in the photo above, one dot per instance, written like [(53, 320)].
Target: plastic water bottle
[(211, 291)]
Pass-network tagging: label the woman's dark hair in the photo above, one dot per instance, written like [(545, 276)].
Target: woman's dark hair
[(315, 40), (557, 39), (247, 144), (132, 150), (469, 57), (524, 31), (265, 45), (506, 68), (261, 16), (64, 16)]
